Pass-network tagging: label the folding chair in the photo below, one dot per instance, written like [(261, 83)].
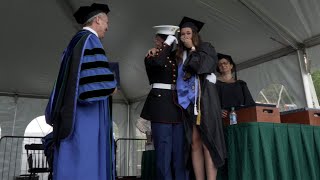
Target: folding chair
[(37, 161)]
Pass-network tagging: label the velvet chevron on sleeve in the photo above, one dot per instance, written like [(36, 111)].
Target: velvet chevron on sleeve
[(96, 81)]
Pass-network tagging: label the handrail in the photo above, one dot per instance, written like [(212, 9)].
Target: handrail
[(20, 137), (12, 150), (135, 139)]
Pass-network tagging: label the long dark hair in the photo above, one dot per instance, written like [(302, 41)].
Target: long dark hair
[(196, 39)]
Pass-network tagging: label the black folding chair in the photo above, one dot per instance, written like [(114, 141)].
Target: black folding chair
[(37, 161)]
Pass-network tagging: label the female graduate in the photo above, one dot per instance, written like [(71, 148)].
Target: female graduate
[(197, 94)]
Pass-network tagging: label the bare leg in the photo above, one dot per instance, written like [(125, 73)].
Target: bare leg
[(211, 169), (197, 155)]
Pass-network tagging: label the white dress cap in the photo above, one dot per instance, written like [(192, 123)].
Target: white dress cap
[(166, 29)]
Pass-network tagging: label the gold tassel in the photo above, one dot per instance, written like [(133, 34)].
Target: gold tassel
[(198, 118), (199, 98)]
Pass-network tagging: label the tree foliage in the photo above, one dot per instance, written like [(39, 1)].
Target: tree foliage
[(316, 82)]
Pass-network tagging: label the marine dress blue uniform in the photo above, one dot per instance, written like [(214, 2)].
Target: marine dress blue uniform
[(166, 116)]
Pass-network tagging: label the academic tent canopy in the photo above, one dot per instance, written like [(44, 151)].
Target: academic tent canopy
[(273, 42)]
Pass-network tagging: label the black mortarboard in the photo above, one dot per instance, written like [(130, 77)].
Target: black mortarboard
[(229, 58), (191, 23), (84, 13)]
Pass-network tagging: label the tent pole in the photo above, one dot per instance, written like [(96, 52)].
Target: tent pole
[(15, 113), (35, 96), (264, 97), (265, 58), (313, 41), (280, 94), (305, 79), (128, 143)]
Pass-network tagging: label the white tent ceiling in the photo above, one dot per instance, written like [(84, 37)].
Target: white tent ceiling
[(34, 34)]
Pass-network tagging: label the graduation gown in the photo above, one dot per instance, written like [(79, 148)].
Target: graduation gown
[(79, 112), (234, 94), (203, 62)]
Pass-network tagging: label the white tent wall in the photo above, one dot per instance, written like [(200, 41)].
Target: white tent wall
[(284, 70), (27, 110), (15, 115), (7, 114), (120, 118), (135, 146), (128, 151), (17, 112)]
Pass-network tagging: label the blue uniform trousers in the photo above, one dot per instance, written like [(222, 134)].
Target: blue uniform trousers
[(169, 146)]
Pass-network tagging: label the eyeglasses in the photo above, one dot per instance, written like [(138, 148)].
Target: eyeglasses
[(223, 63)]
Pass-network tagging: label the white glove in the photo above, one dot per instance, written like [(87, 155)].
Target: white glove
[(170, 39)]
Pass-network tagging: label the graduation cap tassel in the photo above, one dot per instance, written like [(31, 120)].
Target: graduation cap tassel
[(199, 99), (198, 118), (195, 107)]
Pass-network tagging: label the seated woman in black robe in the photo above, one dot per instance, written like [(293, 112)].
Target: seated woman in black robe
[(232, 92)]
